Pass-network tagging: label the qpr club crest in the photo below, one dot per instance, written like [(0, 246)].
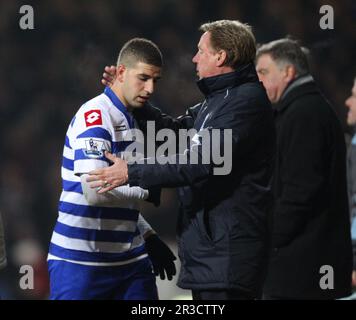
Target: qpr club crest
[(94, 148)]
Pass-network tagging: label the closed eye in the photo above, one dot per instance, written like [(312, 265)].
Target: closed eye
[(145, 78), (262, 71)]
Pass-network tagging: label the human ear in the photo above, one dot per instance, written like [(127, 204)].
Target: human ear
[(221, 58), (290, 73), (120, 71)]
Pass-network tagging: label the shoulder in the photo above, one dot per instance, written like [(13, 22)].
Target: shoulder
[(93, 113), (310, 115), (251, 96), (99, 103), (311, 106), (251, 88)]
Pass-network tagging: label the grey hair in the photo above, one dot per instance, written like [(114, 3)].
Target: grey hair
[(287, 52)]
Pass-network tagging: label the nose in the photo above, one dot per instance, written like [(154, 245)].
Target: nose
[(260, 76), (195, 58), (347, 102), (149, 86)]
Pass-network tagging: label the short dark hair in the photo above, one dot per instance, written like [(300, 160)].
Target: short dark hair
[(235, 38), (140, 50), (287, 51)]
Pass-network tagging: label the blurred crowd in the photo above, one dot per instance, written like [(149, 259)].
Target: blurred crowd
[(48, 72)]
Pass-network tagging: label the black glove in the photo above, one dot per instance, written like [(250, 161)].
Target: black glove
[(161, 256), (154, 195)]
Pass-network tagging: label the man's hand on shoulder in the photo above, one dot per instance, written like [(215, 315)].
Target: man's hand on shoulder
[(109, 76)]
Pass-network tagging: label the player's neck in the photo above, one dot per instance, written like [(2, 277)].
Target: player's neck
[(118, 93)]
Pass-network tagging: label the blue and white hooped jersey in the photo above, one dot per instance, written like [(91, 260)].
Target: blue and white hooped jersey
[(86, 234)]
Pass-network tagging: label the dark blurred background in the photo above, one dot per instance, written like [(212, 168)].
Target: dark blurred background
[(47, 73)]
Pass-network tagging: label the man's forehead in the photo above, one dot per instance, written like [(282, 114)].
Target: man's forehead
[(264, 60), (145, 68), (204, 39)]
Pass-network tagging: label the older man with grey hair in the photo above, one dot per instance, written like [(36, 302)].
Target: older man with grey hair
[(311, 256)]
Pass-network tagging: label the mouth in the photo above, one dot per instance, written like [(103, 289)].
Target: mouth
[(143, 99), (350, 115)]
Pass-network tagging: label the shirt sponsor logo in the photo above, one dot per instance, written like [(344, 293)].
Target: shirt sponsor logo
[(93, 118), (94, 149)]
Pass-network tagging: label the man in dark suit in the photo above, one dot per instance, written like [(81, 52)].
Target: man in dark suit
[(311, 256)]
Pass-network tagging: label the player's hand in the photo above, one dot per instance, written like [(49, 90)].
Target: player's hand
[(106, 179), (109, 76), (161, 256)]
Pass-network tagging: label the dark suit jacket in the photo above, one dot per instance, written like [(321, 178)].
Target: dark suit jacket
[(311, 216), (223, 223)]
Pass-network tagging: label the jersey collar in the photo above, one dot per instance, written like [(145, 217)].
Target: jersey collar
[(118, 104)]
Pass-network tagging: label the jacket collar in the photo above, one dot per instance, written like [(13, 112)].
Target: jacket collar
[(298, 87), (243, 74)]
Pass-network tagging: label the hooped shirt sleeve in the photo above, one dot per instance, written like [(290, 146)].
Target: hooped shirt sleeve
[(92, 136)]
